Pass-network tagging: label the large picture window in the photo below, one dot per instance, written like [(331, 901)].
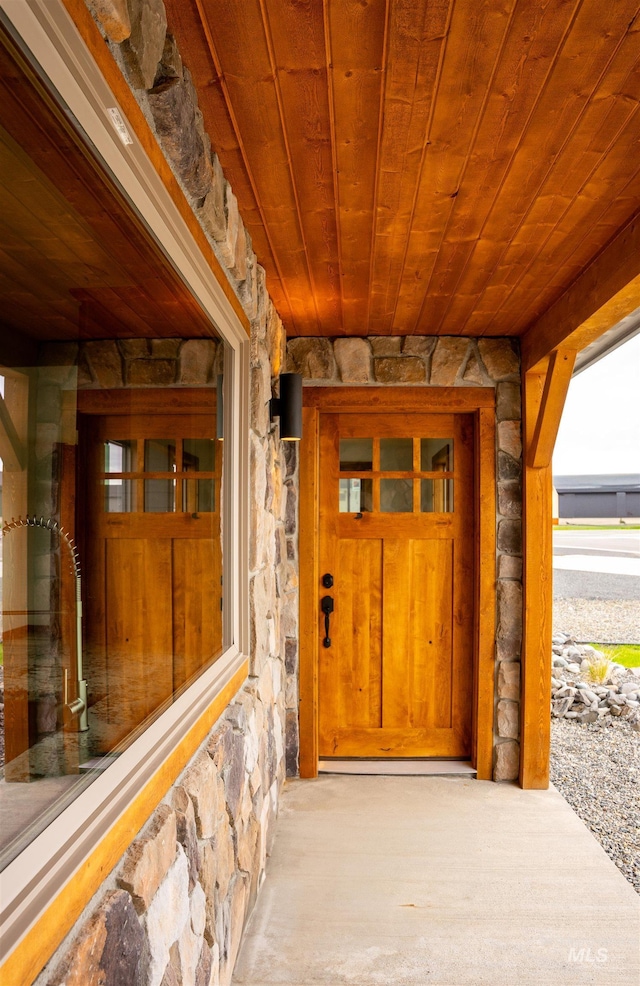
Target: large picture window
[(112, 589), (123, 449)]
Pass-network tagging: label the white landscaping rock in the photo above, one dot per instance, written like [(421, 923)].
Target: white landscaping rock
[(616, 700)]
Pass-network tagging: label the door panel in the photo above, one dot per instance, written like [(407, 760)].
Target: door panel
[(418, 633), (396, 532), (355, 699)]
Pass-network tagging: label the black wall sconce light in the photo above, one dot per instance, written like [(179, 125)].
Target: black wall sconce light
[(288, 407)]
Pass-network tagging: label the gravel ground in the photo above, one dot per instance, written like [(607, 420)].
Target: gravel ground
[(598, 620), (597, 770)]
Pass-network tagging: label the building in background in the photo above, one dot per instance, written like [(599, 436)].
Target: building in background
[(614, 498)]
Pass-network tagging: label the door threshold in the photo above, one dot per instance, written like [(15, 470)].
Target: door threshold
[(403, 768)]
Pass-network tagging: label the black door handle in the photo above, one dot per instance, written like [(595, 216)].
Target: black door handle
[(326, 605)]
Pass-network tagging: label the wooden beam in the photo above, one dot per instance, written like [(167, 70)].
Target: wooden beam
[(606, 291), (12, 451), (409, 399), (535, 721), (544, 394), (556, 386)]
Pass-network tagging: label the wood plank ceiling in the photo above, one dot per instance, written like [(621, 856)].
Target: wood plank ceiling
[(75, 262), (421, 166)]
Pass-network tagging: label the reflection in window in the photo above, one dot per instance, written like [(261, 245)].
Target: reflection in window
[(436, 454), (436, 496), (198, 495), (120, 495), (150, 594), (159, 496), (396, 496), (120, 456), (356, 454), (356, 496), (159, 455), (198, 454)]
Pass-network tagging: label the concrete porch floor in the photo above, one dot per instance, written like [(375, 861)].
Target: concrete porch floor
[(431, 881)]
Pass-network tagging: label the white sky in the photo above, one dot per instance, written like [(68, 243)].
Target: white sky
[(600, 428)]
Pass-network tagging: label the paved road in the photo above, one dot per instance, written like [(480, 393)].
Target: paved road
[(596, 564), (620, 544)]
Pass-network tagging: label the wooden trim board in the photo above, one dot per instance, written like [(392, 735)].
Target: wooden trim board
[(423, 399), (485, 615), (309, 579)]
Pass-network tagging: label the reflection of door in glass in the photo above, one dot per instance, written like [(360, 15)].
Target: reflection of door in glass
[(153, 613), (396, 534)]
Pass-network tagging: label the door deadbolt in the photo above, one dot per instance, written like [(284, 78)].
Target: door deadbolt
[(327, 580)]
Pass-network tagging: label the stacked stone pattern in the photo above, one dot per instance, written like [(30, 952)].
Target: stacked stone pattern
[(174, 908), (452, 361)]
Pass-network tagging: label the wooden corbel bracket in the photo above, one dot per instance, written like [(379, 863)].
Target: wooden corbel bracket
[(554, 393)]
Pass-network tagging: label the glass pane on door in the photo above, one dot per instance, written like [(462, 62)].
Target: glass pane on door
[(436, 496), (396, 454), (356, 496), (356, 454), (396, 496), (436, 454)]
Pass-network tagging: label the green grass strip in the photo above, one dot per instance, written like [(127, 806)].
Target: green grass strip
[(625, 654)]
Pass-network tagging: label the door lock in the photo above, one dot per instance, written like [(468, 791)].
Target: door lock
[(327, 580), (326, 605)]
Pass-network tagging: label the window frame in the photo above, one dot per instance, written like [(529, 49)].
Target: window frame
[(50, 41)]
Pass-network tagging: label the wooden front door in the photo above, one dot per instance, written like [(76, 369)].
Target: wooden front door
[(397, 539), (153, 562)]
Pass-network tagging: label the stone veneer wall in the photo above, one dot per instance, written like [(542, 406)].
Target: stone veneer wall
[(173, 909), (454, 361)]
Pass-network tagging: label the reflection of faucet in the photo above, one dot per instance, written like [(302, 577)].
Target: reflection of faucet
[(78, 707)]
